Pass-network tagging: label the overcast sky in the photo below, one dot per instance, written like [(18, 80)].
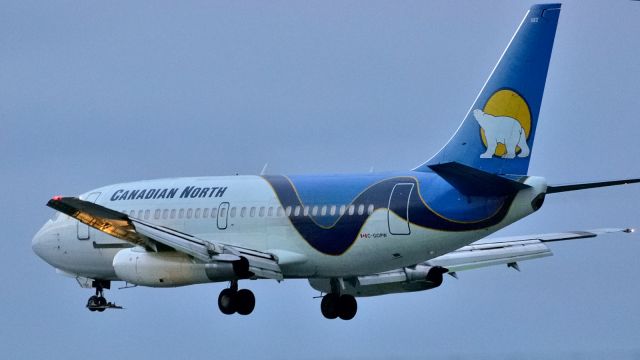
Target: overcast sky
[(98, 92)]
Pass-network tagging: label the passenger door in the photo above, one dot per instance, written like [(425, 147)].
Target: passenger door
[(399, 205)]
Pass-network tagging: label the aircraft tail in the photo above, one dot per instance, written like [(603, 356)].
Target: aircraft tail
[(497, 133)]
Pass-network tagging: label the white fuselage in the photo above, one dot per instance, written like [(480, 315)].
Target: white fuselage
[(245, 211)]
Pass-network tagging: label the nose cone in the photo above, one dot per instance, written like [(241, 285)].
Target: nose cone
[(38, 242)]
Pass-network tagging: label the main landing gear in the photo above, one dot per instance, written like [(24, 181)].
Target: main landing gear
[(232, 300), (97, 302), (334, 305)]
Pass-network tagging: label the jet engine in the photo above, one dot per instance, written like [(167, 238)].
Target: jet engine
[(408, 279), (172, 268)]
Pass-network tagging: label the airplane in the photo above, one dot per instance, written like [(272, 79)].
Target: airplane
[(350, 235)]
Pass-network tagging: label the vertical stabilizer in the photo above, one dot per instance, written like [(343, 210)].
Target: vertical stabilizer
[(497, 133)]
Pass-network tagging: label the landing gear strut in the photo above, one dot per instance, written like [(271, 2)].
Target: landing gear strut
[(335, 305), (232, 300), (97, 302)]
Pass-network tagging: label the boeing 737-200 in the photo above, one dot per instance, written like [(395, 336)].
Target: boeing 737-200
[(349, 235)]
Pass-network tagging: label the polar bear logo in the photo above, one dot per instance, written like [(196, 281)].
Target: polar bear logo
[(505, 130)]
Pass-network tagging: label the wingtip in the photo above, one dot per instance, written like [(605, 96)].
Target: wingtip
[(629, 230)]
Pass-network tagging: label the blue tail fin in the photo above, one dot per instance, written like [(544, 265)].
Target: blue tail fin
[(498, 132)]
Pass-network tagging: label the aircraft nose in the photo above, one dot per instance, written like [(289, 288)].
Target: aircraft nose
[(38, 241)]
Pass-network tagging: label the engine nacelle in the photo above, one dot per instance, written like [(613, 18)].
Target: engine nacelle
[(412, 279), (172, 268)]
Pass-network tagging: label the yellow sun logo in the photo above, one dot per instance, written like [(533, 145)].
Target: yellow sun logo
[(502, 108)]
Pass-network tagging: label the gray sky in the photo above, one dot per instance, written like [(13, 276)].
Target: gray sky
[(102, 92)]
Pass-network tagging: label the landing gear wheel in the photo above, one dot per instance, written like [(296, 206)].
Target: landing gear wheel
[(245, 302), (92, 303), (227, 301), (102, 302), (330, 306), (347, 307)]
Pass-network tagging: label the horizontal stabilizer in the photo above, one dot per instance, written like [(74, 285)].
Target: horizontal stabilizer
[(573, 187), (474, 182)]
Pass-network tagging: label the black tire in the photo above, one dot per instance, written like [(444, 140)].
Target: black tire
[(245, 302), (102, 302), (348, 307), (329, 306), (227, 301), (92, 303)]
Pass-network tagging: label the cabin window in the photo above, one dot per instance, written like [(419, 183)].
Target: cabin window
[(352, 209), (314, 210), (306, 211), (243, 212), (139, 214), (342, 209), (333, 210), (252, 213), (232, 213), (189, 213), (223, 212), (205, 213), (288, 211), (197, 213), (173, 214), (280, 211), (296, 212), (147, 213), (370, 209), (214, 212), (165, 213), (270, 211), (360, 209), (261, 213), (132, 213), (323, 211), (181, 214)]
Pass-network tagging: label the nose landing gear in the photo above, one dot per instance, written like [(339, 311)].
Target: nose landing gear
[(232, 300), (97, 302)]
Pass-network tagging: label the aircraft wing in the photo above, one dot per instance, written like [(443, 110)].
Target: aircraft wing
[(509, 250), (154, 237)]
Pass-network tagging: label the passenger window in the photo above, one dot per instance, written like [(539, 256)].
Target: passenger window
[(132, 213), (333, 210), (370, 209), (296, 212), (205, 213), (156, 214), (165, 213), (352, 209), (189, 213), (323, 211), (360, 209), (197, 213), (243, 212), (280, 211), (223, 212), (288, 211), (342, 209), (214, 212), (173, 214), (306, 211), (232, 213), (139, 214), (147, 213), (252, 213), (314, 210), (270, 211), (261, 213), (181, 214)]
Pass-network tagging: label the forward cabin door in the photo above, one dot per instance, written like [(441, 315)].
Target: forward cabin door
[(83, 230), (398, 215)]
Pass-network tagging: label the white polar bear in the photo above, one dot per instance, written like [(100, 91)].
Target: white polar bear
[(505, 130)]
